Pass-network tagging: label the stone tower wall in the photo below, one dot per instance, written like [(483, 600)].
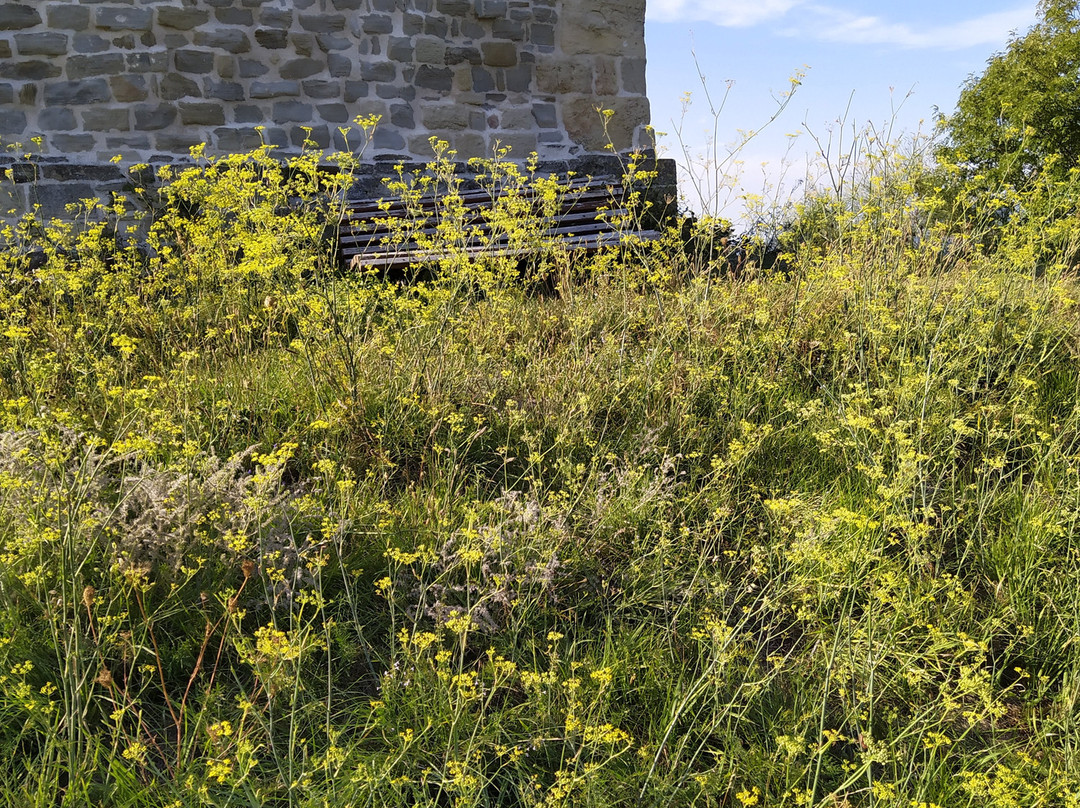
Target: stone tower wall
[(148, 79)]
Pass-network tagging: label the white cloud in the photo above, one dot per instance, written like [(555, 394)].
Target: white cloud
[(836, 25), (830, 23), (727, 13)]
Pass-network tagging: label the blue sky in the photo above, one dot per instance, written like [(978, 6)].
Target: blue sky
[(881, 62)]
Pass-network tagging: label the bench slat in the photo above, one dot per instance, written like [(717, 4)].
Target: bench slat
[(581, 222)]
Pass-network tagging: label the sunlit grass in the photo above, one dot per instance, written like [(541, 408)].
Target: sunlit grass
[(275, 533)]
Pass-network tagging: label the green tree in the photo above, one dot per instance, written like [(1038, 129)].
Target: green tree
[(1020, 119)]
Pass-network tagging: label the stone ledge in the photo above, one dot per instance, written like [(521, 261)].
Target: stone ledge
[(54, 183)]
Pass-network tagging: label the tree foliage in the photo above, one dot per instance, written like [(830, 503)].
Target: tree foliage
[(1020, 118)]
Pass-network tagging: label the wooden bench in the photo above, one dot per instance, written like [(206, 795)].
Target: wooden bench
[(391, 234)]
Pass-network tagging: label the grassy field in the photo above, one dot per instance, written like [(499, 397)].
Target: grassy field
[(625, 531)]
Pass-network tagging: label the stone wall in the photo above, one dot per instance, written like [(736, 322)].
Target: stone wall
[(148, 79)]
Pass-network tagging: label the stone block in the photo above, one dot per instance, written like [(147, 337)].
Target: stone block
[(378, 71), (225, 65), (201, 114), (453, 8), (67, 144), (55, 197), (5, 49), (106, 119), (388, 140), (546, 116), (128, 87), (471, 30), (174, 86), (33, 70), (16, 16), (483, 81), (438, 28), (127, 143), (603, 28), (56, 119), (508, 29), (517, 118), (306, 136), (585, 126), (323, 23), (238, 139), (248, 113), (412, 24), (12, 121), (333, 113), (153, 117), (355, 90), (542, 35), (249, 68), (430, 51), (520, 144), (445, 117), (292, 112), (194, 61), (464, 53), (13, 199), (339, 65), (274, 89), (280, 18), (121, 18), (499, 54), (223, 90), (272, 38), (400, 49), (564, 76), (69, 16), (303, 44), (276, 136), (435, 78), (520, 79), (147, 62), (89, 43), (470, 144), (632, 72), (396, 92), (182, 19), (230, 15), (176, 142), (605, 76), (330, 42), (232, 40), (317, 88), (490, 9), (402, 116), (7, 94), (101, 64), (377, 24), (301, 68), (72, 93)]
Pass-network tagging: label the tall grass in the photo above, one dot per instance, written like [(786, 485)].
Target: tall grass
[(274, 533)]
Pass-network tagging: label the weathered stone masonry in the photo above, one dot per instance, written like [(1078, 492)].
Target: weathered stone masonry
[(148, 79)]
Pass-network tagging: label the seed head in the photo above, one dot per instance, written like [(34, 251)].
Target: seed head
[(88, 597), (248, 567)]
